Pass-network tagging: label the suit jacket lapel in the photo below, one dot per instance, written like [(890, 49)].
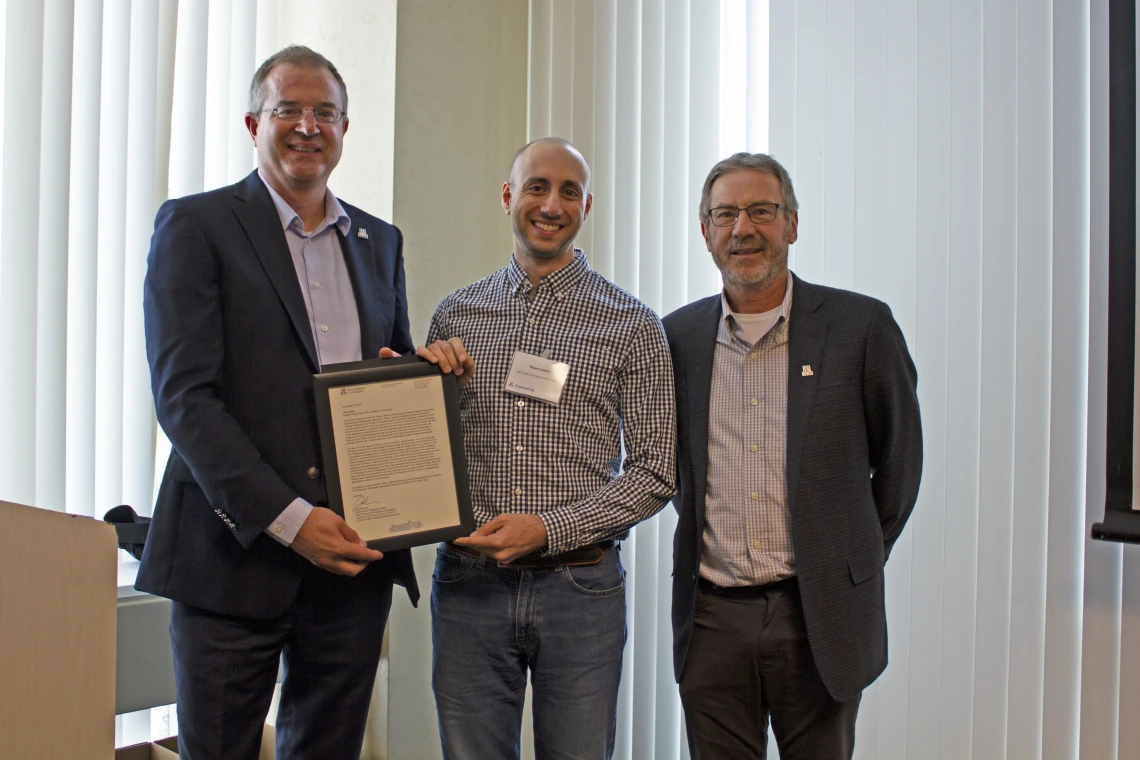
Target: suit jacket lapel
[(807, 333), (700, 350), (258, 216), (359, 258)]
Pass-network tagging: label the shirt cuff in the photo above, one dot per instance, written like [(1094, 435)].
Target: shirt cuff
[(285, 528), (560, 536)]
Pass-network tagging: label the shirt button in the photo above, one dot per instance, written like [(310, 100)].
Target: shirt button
[(530, 320), (325, 328), (520, 402), (755, 544), (754, 402), (519, 447), (755, 496), (312, 472), (317, 285), (755, 447), (279, 527), (518, 492), (752, 355)]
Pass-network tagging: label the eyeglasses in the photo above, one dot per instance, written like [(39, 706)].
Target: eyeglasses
[(759, 213), (323, 114)]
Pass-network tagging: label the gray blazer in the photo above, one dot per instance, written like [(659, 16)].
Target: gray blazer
[(854, 459)]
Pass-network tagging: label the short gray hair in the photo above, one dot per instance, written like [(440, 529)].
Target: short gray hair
[(294, 55), (758, 162)]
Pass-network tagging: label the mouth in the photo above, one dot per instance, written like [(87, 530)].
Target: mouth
[(304, 149), (746, 251), (546, 227)]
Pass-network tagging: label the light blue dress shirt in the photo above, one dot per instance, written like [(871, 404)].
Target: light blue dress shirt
[(330, 303)]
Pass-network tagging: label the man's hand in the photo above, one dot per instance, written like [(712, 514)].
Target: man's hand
[(450, 356), (331, 544), (387, 353), (507, 537)]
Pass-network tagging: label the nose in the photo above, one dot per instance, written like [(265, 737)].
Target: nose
[(744, 225), (551, 205), (308, 123)]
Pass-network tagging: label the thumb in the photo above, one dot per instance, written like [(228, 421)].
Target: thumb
[(348, 533), (387, 353), (490, 527)]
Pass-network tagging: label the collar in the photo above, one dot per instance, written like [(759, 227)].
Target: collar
[(729, 316), (334, 212), (559, 281)]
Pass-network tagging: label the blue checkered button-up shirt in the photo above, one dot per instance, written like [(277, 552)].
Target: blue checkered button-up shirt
[(562, 462)]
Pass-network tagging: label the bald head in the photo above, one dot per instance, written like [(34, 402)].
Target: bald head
[(547, 142)]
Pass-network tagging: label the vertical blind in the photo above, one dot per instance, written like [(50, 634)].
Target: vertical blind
[(110, 121), (653, 93), (949, 158), (945, 157)]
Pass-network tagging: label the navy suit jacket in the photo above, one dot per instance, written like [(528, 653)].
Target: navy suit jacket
[(232, 359), (854, 459)]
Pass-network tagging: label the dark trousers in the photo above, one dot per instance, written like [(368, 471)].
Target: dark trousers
[(750, 660), (225, 668)]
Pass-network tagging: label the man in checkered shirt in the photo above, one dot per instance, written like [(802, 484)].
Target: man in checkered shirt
[(539, 587)]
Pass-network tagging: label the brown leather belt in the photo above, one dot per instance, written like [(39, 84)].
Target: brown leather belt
[(585, 555), (746, 592)]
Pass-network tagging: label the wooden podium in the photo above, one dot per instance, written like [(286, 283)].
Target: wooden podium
[(57, 634)]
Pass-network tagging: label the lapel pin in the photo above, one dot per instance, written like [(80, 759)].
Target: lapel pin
[(362, 233), (807, 371)]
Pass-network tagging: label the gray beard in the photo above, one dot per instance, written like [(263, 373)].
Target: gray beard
[(759, 280)]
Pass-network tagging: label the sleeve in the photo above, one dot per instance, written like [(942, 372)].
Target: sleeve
[(437, 330), (894, 426), (648, 477), (185, 348)]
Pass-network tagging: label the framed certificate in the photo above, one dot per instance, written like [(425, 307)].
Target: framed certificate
[(393, 451)]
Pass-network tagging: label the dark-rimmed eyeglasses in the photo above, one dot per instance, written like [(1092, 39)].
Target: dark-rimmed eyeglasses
[(758, 213), (323, 114)]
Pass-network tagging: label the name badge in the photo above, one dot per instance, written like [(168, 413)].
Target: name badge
[(536, 377)]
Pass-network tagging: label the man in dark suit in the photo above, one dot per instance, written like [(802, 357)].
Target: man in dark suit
[(799, 452), (249, 290)]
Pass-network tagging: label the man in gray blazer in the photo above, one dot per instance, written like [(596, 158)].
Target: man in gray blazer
[(799, 453)]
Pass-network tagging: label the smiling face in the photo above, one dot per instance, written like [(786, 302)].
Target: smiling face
[(751, 257), (298, 156), (547, 198)]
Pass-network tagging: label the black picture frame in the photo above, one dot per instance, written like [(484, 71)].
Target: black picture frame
[(372, 371)]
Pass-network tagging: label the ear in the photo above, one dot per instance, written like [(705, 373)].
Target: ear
[(252, 124), (704, 234), (343, 126), (507, 197), (793, 226), (589, 205)]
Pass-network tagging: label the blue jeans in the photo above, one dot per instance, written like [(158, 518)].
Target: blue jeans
[(490, 625)]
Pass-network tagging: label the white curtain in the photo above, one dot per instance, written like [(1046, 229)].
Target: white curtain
[(951, 159), (109, 122), (653, 93), (942, 152)]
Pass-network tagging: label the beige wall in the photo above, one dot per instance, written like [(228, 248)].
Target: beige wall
[(359, 37), (460, 115)]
